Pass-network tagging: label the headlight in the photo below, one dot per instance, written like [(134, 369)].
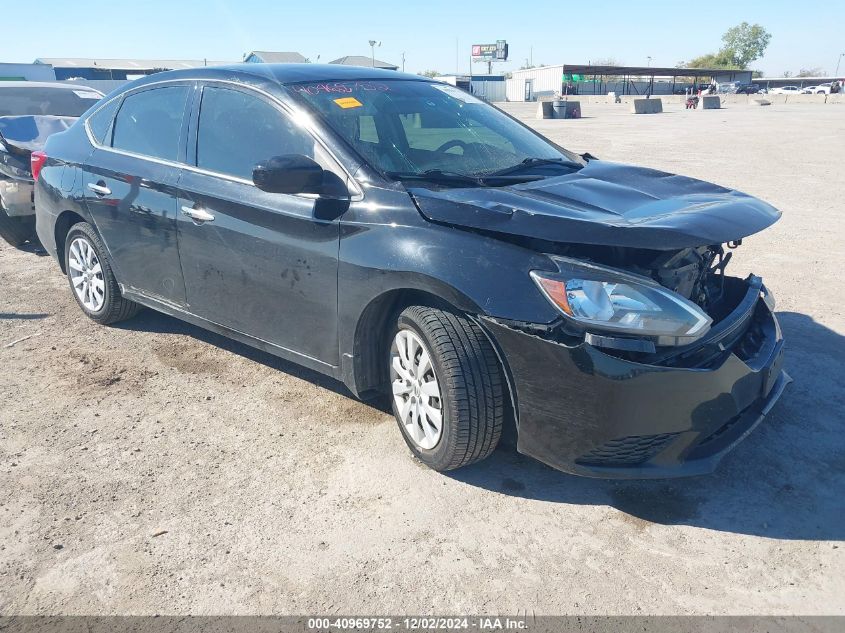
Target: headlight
[(608, 300)]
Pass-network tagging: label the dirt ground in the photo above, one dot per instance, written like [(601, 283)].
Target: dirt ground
[(155, 468)]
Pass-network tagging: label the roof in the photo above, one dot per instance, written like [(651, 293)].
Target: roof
[(126, 64), (278, 57), (647, 71), (58, 85), (363, 60), (283, 73)]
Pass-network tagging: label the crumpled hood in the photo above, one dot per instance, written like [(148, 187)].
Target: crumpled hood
[(608, 204), (30, 132)]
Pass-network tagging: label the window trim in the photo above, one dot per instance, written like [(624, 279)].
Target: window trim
[(180, 143), (189, 83), (288, 113), (356, 191)]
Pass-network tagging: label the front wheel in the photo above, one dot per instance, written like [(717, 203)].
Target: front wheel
[(447, 389), (91, 278)]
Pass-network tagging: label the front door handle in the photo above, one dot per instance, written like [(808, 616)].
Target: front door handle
[(100, 190), (198, 215)]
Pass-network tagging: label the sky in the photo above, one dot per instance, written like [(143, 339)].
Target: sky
[(435, 34)]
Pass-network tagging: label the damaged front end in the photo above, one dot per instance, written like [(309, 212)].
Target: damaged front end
[(658, 365)]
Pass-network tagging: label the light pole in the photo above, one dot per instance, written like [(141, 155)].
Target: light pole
[(841, 55), (403, 61), (373, 44), (649, 61)]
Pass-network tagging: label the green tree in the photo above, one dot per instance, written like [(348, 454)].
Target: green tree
[(429, 73), (744, 43), (712, 60)]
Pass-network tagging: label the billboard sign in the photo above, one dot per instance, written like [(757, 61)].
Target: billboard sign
[(491, 52)]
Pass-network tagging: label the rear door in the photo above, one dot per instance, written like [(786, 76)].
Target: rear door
[(130, 185), (264, 264)]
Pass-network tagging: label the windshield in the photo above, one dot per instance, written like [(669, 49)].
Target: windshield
[(46, 101), (415, 128)]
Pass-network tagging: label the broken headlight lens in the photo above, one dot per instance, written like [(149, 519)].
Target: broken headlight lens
[(607, 300)]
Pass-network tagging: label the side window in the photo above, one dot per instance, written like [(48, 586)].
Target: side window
[(100, 122), (149, 122), (238, 130)]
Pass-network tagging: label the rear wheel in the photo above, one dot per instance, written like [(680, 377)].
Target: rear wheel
[(447, 390), (91, 277), (16, 230)]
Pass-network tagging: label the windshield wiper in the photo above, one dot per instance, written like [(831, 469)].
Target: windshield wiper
[(452, 177), (534, 162), (435, 175)]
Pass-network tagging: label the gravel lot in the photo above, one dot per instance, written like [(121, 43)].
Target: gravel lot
[(156, 468)]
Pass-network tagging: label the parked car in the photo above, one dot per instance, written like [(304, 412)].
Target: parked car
[(785, 90), (747, 89), (400, 235), (821, 89), (29, 113)]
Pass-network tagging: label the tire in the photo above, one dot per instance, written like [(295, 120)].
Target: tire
[(17, 230), (106, 304), (469, 382)]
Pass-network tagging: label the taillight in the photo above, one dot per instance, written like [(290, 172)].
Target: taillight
[(37, 161)]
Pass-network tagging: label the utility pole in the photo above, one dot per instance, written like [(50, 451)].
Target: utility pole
[(403, 61), (649, 61), (838, 61), (373, 44)]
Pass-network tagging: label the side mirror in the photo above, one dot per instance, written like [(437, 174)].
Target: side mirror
[(291, 173)]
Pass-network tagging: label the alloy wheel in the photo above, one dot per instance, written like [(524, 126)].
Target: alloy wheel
[(86, 274), (416, 390)]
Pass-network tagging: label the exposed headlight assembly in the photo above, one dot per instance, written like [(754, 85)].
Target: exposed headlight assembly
[(609, 301)]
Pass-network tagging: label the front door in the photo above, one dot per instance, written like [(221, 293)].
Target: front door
[(260, 263), (130, 190)]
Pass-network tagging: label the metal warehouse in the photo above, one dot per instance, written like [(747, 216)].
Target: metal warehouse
[(537, 83)]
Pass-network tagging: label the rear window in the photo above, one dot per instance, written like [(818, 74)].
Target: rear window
[(46, 101)]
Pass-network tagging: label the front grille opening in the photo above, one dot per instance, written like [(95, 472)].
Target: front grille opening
[(627, 451)]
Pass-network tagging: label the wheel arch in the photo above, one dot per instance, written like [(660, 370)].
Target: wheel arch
[(371, 338), (64, 222)]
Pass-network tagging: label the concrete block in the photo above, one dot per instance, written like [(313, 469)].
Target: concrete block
[(646, 106), (566, 109), (544, 110), (710, 102)]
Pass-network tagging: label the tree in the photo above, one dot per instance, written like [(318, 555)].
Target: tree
[(712, 60), (744, 43), (811, 72), (786, 74), (429, 73)]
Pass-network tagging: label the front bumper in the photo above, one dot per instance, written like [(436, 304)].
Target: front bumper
[(590, 413), (17, 197)]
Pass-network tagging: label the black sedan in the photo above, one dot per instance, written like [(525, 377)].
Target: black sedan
[(410, 240)]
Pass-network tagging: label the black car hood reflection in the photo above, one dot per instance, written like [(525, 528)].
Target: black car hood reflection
[(605, 203)]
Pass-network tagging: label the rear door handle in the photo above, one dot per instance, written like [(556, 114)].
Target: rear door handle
[(198, 215), (100, 190)]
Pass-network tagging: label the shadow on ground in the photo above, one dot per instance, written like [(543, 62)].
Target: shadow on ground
[(784, 481), (151, 321)]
